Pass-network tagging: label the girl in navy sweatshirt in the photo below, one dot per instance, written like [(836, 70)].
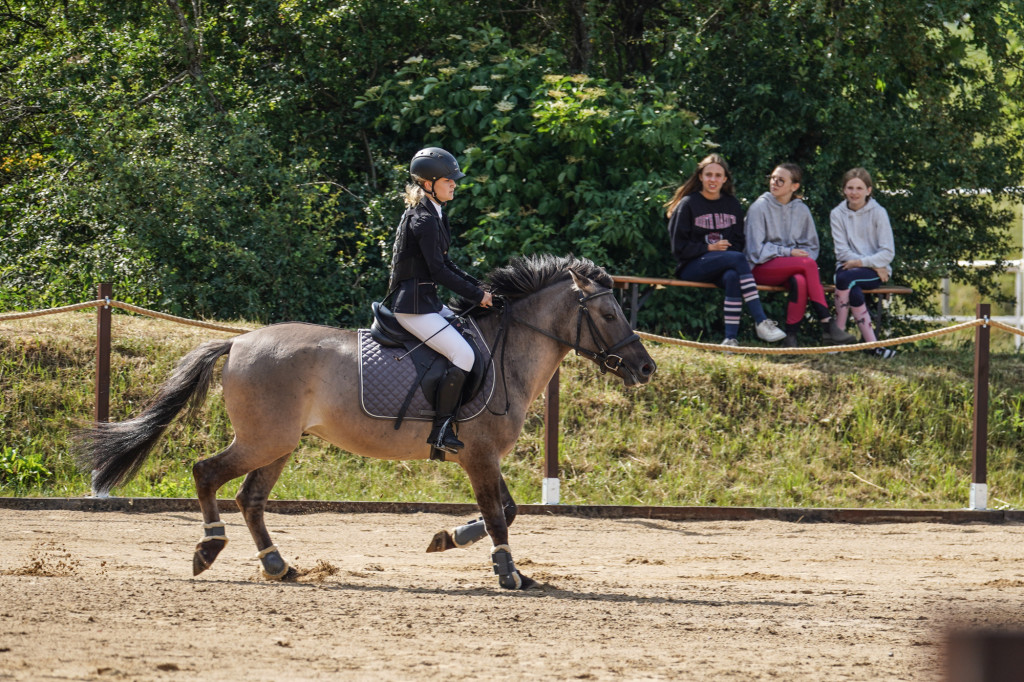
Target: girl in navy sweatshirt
[(705, 231)]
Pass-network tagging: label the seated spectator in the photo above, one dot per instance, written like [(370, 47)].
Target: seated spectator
[(782, 247), (705, 230), (864, 246)]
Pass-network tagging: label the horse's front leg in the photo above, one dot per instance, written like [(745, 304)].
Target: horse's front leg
[(471, 531), (485, 477)]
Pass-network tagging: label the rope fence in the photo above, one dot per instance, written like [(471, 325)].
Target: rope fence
[(822, 350), (106, 302), (982, 326), (743, 350)]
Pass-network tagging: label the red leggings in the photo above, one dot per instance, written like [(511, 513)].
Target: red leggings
[(804, 271)]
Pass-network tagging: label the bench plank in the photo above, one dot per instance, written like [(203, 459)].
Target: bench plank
[(633, 282), (624, 282)]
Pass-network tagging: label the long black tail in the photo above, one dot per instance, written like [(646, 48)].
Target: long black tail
[(116, 451)]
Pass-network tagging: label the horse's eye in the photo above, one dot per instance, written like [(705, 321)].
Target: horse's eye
[(609, 317)]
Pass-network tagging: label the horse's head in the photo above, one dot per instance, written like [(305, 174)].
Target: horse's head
[(581, 312), (603, 334)]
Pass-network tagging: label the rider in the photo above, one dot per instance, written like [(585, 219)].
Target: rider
[(420, 262)]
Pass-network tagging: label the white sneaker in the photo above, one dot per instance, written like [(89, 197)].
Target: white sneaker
[(730, 342), (769, 331)]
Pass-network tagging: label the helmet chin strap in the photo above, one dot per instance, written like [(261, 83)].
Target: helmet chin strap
[(431, 192)]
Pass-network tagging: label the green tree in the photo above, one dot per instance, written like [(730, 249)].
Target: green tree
[(207, 160), (245, 159), (556, 162), (920, 93)]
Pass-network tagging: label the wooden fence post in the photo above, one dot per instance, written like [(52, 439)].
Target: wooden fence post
[(101, 409), (549, 490), (979, 461), (102, 382)]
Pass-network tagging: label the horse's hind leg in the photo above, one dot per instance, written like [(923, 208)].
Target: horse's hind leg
[(252, 501), (468, 533), (210, 474)]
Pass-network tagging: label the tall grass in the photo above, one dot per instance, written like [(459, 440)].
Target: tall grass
[(841, 430)]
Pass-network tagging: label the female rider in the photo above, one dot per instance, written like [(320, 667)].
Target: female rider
[(420, 262)]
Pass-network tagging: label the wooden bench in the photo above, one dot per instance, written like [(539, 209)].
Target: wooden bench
[(637, 299)]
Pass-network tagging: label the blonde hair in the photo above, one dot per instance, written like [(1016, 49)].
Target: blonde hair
[(414, 192), (694, 184)]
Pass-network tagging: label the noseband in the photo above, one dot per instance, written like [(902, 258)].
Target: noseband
[(604, 355)]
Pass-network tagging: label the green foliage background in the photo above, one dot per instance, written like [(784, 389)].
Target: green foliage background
[(246, 159)]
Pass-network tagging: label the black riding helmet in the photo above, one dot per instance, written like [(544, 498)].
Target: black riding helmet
[(434, 163)]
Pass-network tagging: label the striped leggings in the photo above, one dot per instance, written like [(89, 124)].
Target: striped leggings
[(728, 270)]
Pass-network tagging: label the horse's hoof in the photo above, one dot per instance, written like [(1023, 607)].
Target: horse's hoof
[(274, 565), (516, 581), (290, 575), (206, 552), (441, 541)]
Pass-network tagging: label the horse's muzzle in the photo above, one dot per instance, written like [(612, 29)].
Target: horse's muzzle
[(638, 376)]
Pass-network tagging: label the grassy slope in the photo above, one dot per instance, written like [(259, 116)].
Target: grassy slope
[(827, 430)]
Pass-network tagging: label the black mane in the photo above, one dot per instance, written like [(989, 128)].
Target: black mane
[(525, 275)]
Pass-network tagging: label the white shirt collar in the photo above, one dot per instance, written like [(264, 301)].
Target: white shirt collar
[(437, 206)]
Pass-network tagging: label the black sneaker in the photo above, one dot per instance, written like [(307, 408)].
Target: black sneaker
[(884, 353)]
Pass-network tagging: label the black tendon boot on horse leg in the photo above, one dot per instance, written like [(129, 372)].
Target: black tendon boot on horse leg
[(449, 397), (213, 541), (509, 576), (474, 529)]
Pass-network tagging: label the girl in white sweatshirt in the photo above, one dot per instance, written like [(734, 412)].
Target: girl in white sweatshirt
[(864, 248)]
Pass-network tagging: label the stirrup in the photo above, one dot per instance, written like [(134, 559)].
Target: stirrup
[(446, 439)]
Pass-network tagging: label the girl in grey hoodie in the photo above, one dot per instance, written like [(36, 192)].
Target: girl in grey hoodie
[(865, 248), (782, 246)]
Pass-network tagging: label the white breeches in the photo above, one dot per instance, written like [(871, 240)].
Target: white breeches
[(435, 331)]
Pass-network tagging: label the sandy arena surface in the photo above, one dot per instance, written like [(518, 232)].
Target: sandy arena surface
[(110, 595)]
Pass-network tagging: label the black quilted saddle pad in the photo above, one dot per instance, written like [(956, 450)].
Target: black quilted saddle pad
[(384, 382)]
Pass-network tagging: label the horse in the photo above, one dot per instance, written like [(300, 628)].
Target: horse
[(285, 380)]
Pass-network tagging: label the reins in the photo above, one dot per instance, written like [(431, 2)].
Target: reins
[(604, 356)]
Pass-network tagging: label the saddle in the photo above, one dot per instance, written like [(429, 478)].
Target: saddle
[(399, 373)]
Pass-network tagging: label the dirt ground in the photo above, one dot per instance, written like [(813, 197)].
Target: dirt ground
[(110, 595)]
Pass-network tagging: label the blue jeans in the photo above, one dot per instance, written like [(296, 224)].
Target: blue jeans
[(728, 270), (722, 268)]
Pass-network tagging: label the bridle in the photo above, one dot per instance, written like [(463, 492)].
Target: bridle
[(604, 355)]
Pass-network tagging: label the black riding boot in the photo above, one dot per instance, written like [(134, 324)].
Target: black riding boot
[(449, 396)]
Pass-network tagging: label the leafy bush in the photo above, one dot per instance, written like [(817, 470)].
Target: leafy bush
[(245, 160), (20, 473), (555, 162), (925, 95)]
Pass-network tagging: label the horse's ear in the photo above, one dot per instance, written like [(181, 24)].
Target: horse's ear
[(582, 283)]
